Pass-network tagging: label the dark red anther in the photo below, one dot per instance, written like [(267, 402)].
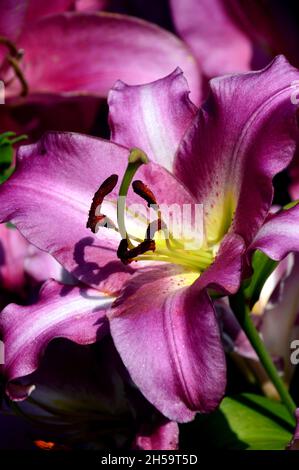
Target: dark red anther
[(143, 191), (127, 255), (106, 187)]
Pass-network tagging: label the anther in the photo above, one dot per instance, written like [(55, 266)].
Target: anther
[(19, 74), (144, 192), (127, 255), (13, 50), (93, 219)]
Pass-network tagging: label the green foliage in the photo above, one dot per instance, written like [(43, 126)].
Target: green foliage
[(262, 268), (246, 421), (7, 140)]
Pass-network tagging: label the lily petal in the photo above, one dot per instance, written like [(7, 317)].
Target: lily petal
[(98, 49), (224, 275), (170, 331), (13, 250), (279, 234), (12, 18), (224, 157), (37, 10), (160, 112), (219, 45), (76, 313), (164, 436)]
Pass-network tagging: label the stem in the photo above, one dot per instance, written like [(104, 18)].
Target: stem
[(241, 311)]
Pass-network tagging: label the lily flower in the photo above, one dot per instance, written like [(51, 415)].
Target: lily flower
[(160, 311)]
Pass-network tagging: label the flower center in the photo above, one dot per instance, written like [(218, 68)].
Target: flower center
[(158, 243)]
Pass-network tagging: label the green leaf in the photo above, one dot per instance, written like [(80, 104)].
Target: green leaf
[(245, 421), (262, 268), (7, 139), (6, 154)]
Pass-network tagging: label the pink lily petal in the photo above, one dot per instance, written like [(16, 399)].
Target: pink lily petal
[(98, 49), (170, 331), (224, 156), (225, 272), (160, 112), (49, 196), (17, 15), (279, 234), (13, 250), (76, 313), (219, 45), (37, 10), (91, 5), (12, 17), (165, 436), (41, 266), (233, 337)]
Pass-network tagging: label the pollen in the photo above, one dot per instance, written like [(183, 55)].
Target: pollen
[(93, 219), (144, 192)]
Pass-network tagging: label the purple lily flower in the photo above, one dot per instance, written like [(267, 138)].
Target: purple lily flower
[(76, 60), (161, 316)]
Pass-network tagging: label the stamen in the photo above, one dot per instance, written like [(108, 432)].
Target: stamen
[(127, 255), (19, 74), (93, 219), (13, 50), (13, 58), (144, 192)]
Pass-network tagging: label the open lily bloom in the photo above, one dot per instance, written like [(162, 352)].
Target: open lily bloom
[(161, 316)]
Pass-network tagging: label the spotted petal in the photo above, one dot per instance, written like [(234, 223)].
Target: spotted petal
[(244, 134), (168, 338)]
